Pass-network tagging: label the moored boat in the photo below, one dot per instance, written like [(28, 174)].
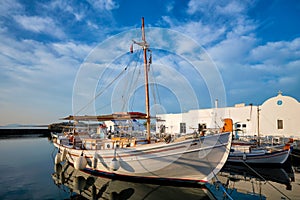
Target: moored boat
[(186, 158), (191, 158), (262, 155)]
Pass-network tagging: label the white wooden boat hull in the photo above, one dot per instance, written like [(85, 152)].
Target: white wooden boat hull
[(192, 160)]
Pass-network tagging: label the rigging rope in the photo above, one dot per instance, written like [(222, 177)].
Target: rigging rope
[(154, 89), (133, 81), (103, 90)]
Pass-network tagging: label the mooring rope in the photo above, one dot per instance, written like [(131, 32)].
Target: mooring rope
[(266, 181), (295, 155)]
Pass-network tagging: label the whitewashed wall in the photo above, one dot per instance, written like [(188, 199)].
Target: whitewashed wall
[(245, 115)]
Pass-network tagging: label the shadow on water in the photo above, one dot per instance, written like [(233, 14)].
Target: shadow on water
[(242, 181), (238, 181), (295, 159)]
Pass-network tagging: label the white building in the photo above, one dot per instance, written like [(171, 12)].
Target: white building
[(277, 116)]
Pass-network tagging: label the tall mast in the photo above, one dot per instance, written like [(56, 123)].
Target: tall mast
[(145, 48), (258, 131)]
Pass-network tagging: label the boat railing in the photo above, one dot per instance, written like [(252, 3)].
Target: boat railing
[(100, 144)]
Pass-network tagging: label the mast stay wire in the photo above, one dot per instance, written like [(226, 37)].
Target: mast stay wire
[(103, 90), (154, 89), (132, 81), (135, 83)]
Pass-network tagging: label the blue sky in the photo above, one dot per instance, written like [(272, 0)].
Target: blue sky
[(255, 46)]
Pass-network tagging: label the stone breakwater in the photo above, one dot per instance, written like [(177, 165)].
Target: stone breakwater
[(24, 132)]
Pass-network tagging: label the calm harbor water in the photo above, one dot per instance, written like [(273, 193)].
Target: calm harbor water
[(27, 171)]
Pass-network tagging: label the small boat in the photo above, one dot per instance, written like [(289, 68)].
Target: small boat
[(191, 158), (255, 151), (261, 155)]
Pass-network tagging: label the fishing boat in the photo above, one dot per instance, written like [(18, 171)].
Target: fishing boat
[(256, 151), (258, 155), (191, 158)]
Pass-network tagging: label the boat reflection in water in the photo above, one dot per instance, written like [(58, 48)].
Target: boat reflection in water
[(249, 182), (82, 185), (234, 181)]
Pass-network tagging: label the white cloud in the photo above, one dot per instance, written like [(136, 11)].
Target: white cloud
[(194, 6), (250, 69), (78, 11), (38, 24), (31, 68), (277, 53), (248, 66), (74, 50), (104, 4), (92, 25), (232, 8), (216, 7), (170, 6), (203, 34), (38, 76), (9, 7), (215, 21), (232, 50)]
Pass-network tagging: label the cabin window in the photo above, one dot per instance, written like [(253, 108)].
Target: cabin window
[(279, 124), (244, 125), (238, 125), (182, 128)]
